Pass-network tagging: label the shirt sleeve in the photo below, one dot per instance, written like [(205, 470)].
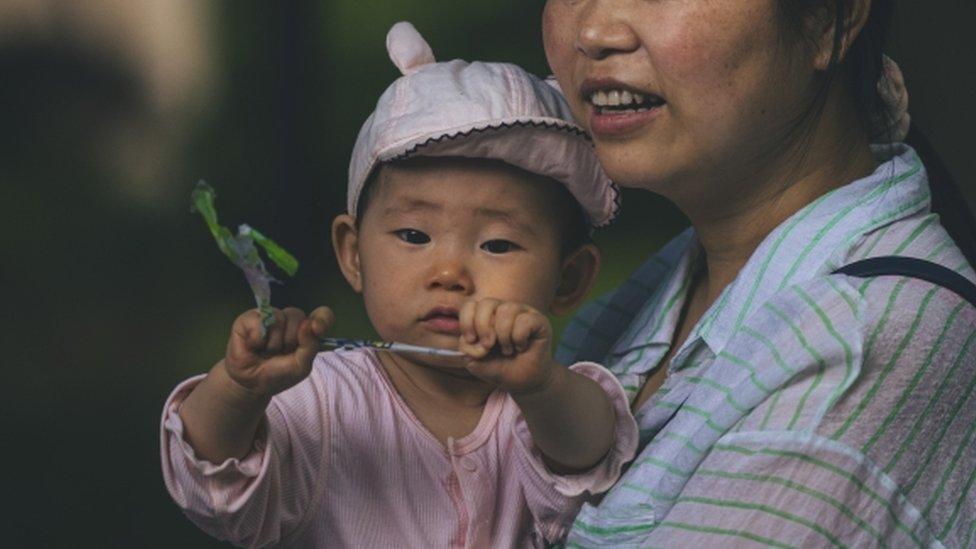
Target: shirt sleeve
[(555, 499), (264, 497), (785, 490)]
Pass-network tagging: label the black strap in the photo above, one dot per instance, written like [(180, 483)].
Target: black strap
[(914, 268)]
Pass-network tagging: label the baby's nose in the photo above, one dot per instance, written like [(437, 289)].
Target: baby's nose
[(450, 275)]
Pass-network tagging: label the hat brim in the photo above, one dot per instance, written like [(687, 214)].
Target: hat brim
[(546, 146)]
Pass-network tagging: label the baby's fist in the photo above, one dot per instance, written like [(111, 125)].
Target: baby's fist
[(509, 344), (267, 365)]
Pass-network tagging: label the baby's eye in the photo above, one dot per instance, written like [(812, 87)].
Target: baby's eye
[(499, 246), (412, 236)]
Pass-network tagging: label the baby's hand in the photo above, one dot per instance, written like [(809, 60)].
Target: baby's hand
[(267, 366), (510, 344)]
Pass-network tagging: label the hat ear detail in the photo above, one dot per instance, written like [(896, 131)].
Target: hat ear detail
[(408, 50)]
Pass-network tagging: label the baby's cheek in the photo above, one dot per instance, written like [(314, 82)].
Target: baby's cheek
[(381, 308)]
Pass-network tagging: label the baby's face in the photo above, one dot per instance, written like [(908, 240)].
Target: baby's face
[(438, 233)]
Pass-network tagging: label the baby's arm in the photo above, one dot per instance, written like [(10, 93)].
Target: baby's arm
[(569, 415), (242, 466), (222, 414)]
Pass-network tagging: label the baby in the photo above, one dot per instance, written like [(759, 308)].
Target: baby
[(471, 197)]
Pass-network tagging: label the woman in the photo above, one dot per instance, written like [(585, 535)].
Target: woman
[(779, 403)]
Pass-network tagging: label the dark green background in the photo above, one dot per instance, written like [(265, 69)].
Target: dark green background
[(113, 302)]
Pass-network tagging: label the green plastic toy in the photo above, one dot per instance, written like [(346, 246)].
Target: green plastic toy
[(241, 251)]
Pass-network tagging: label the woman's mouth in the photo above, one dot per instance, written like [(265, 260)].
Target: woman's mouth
[(442, 320), (615, 112)]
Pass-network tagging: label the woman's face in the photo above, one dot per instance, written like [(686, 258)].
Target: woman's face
[(678, 94)]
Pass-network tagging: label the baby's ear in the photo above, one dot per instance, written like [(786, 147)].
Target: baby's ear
[(577, 276), (345, 240)]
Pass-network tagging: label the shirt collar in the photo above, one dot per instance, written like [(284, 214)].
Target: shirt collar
[(654, 324), (818, 239)]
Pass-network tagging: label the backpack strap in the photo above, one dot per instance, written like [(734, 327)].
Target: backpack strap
[(913, 268)]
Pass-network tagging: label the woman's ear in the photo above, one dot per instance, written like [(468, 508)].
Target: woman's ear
[(576, 278), (345, 240), (825, 28)]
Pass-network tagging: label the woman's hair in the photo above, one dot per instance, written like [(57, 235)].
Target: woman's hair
[(859, 71)]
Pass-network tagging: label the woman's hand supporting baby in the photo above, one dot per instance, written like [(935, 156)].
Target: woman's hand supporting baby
[(569, 415), (222, 414)]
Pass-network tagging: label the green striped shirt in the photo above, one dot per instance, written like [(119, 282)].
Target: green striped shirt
[(805, 408)]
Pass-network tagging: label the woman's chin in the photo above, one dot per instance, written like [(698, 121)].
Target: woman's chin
[(633, 166)]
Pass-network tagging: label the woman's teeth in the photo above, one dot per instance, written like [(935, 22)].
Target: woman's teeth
[(623, 100)]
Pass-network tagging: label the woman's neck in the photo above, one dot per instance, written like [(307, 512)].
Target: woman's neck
[(731, 229)]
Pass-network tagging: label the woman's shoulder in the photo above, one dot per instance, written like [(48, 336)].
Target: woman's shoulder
[(918, 355), (845, 350), (899, 311), (911, 410), (885, 371), (890, 370), (865, 322), (919, 236), (918, 341)]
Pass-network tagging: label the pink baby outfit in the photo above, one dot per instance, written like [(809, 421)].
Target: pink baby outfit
[(341, 461)]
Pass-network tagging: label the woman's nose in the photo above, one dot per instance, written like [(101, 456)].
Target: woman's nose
[(452, 276), (604, 31)]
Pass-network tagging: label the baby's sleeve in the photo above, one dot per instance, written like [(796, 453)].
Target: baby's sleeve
[(555, 499), (264, 497)]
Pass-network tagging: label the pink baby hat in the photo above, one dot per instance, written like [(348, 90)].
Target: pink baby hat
[(478, 110)]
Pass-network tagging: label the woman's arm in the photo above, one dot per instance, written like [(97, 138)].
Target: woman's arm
[(790, 490)]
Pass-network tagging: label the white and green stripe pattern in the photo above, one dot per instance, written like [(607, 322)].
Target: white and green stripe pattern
[(806, 409)]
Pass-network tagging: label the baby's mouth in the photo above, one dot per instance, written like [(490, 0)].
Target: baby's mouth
[(442, 320)]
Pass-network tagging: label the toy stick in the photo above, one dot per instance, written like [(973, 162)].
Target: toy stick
[(387, 346)]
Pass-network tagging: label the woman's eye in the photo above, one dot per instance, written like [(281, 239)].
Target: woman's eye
[(499, 246), (412, 236)]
